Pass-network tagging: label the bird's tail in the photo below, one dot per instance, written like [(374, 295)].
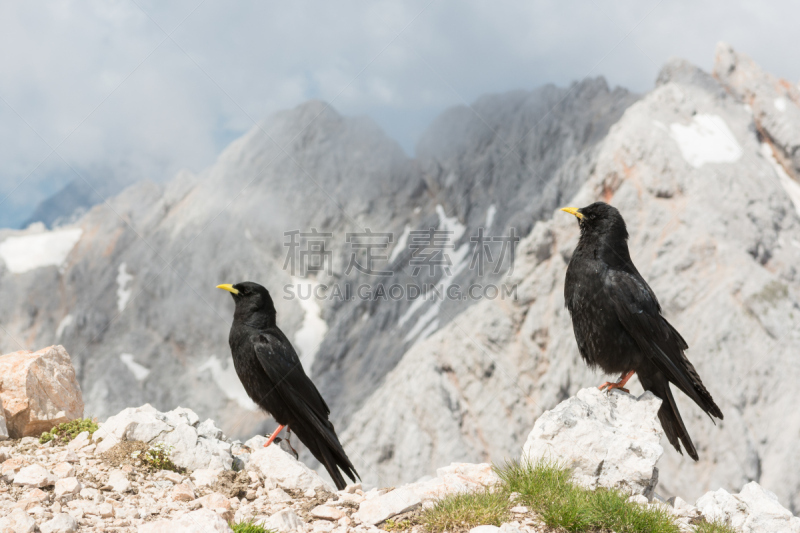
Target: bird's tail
[(669, 416), (324, 445)]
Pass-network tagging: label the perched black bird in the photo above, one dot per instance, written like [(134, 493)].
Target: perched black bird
[(618, 324), (273, 377)]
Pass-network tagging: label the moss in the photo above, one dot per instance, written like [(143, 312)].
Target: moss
[(63, 433)]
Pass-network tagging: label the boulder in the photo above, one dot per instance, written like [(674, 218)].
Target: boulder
[(753, 510), (38, 390), (203, 520), (280, 469), (178, 428), (607, 439), (283, 521)]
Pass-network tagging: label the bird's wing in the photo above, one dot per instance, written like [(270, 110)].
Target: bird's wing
[(637, 309), (282, 366)]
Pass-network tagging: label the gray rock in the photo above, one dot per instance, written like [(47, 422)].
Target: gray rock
[(177, 428), (608, 440), (60, 523), (753, 510)]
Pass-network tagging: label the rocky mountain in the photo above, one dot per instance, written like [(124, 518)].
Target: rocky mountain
[(129, 287), (704, 169)]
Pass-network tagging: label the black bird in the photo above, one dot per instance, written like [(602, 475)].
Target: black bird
[(618, 324), (273, 377)]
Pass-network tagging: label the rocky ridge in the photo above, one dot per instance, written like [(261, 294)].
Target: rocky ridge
[(95, 483)]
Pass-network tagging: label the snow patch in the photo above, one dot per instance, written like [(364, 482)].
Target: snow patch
[(780, 104), (490, 213), (64, 324), (450, 224), (29, 252), (791, 187), (313, 330), (706, 140), (123, 291), (401, 244), (228, 382), (139, 372)]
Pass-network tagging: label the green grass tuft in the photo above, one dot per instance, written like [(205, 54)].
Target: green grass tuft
[(249, 526), (63, 433), (547, 489), (714, 527), (461, 512)]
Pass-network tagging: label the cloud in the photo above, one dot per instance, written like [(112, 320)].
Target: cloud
[(103, 83)]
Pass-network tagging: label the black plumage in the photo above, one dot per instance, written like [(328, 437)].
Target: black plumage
[(273, 377), (618, 323)]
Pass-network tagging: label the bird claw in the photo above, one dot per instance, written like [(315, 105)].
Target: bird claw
[(608, 386)]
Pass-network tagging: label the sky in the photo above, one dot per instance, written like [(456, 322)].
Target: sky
[(144, 88)]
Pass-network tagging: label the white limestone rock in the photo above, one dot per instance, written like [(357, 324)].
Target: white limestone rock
[(193, 446), (18, 521), (607, 439), (69, 486), (283, 521), (118, 481), (60, 523), (753, 510), (203, 520), (375, 510), (278, 468), (34, 476)]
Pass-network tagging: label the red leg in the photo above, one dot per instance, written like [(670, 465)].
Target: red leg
[(274, 434), (619, 384)]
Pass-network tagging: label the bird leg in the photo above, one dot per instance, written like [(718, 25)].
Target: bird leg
[(274, 434), (623, 379)]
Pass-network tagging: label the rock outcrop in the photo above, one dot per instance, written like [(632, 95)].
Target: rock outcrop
[(193, 445), (38, 391), (607, 440)]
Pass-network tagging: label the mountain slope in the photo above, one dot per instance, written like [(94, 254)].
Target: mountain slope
[(716, 233)]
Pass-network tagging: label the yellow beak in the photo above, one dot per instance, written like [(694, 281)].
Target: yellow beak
[(228, 287), (573, 211)]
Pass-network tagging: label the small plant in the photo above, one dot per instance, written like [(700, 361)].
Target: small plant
[(716, 526), (397, 525), (63, 433), (157, 457), (249, 526), (461, 512)]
